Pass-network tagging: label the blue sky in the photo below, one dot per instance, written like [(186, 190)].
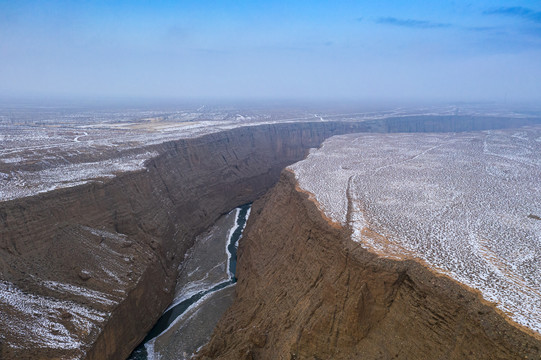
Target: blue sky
[(366, 50)]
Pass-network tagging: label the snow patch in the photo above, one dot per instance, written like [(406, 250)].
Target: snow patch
[(42, 327)]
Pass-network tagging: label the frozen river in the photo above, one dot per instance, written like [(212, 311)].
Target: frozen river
[(205, 289)]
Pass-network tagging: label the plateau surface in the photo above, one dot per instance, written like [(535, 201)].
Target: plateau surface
[(45, 148), (466, 205)]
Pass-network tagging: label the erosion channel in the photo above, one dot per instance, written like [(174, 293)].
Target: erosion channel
[(205, 289)]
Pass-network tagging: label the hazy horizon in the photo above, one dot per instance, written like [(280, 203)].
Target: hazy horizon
[(345, 50)]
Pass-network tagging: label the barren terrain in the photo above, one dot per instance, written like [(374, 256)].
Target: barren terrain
[(467, 205), (45, 148)]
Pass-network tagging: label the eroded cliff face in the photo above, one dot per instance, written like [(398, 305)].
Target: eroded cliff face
[(86, 271), (306, 291)]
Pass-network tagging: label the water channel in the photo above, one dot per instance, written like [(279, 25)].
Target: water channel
[(205, 289)]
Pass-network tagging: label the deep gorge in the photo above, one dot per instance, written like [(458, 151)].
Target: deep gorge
[(156, 214)]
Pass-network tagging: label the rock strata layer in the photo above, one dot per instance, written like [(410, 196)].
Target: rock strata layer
[(306, 291)]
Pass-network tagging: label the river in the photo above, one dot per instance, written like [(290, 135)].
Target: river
[(204, 290)]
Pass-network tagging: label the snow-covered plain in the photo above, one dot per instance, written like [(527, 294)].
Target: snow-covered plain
[(467, 205), (45, 148), (41, 159)]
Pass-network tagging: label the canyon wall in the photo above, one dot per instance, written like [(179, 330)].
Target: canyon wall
[(114, 247), (306, 291), (111, 249)]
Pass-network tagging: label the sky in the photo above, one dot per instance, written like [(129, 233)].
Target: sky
[(353, 50)]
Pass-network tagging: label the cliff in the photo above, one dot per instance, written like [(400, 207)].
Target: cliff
[(306, 291), (87, 270)]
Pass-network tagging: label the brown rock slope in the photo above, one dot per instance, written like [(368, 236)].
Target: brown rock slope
[(306, 291), (86, 271)]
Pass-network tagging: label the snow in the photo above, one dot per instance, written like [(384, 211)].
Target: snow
[(186, 315), (97, 296), (151, 353), (195, 287), (76, 139), (458, 203), (195, 305), (24, 183), (41, 328), (231, 232), (41, 159), (247, 217)]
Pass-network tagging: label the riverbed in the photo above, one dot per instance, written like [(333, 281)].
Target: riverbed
[(204, 290)]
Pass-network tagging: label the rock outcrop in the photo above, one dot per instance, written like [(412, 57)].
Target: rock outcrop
[(306, 291)]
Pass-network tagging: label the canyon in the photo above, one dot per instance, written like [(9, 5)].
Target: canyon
[(86, 270)]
